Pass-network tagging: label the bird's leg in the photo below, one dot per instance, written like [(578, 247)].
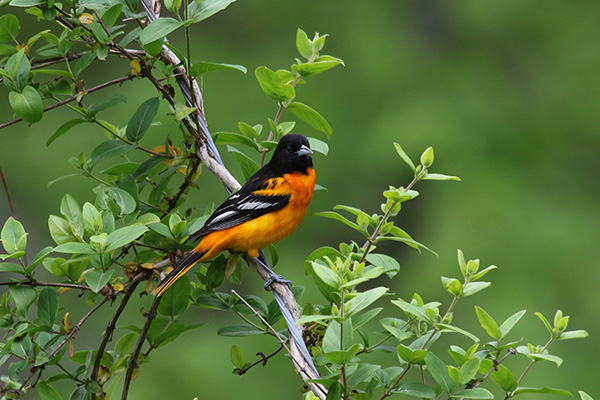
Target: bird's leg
[(273, 277)]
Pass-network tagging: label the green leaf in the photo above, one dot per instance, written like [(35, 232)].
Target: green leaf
[(440, 177), (488, 323), (203, 67), (325, 275), (25, 3), (158, 29), (162, 230), (238, 358), (480, 274), (64, 128), (578, 334), (365, 299), (173, 5), (129, 37), (240, 330), (510, 322), (361, 373), (411, 356), (455, 374), (303, 44), (94, 4), (47, 392), (334, 392), (544, 356), (474, 287), (9, 28), (125, 343), (545, 322), (208, 8), (396, 327), (469, 369), (96, 280), (415, 389), (99, 33), (235, 138), (584, 395), (60, 230), (82, 63), (69, 208), (176, 299), (439, 371), (112, 102), (318, 145), (11, 267), (125, 235), (333, 338), (544, 390), (110, 16), (13, 236), (404, 156), (501, 375), (39, 257), (409, 308), (27, 104), (141, 119), (344, 220), (458, 330), (343, 356), (391, 266), (311, 117), (110, 149), (74, 248), (47, 306), (273, 86), (249, 167), (321, 64), (24, 296), (477, 393), (16, 71), (125, 203), (147, 166)]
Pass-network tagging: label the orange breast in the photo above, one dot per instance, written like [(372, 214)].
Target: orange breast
[(269, 228)]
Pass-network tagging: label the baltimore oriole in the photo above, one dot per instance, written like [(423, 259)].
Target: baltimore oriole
[(269, 207)]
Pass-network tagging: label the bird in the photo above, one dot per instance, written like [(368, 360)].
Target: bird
[(266, 209)]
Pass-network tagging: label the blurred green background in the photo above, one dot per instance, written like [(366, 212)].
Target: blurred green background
[(507, 93)]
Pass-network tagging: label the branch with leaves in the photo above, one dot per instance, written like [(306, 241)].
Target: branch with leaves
[(136, 223)]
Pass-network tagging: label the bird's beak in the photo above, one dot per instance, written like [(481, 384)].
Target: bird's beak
[(304, 150)]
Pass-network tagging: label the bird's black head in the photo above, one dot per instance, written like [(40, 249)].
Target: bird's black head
[(292, 154)]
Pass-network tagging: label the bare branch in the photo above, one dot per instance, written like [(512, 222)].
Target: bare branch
[(133, 363), (73, 98)]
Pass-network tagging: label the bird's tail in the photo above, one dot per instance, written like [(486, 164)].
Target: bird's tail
[(184, 265)]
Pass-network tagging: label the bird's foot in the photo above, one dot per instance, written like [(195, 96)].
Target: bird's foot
[(279, 279)]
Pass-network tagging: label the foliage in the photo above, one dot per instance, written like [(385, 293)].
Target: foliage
[(136, 225)]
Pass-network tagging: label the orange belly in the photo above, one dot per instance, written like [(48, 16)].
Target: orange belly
[(267, 229)]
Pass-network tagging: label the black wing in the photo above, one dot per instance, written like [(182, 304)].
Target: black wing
[(251, 201)]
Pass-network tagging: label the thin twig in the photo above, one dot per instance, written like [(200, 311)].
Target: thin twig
[(7, 191), (510, 352), (49, 284), (133, 364), (300, 364), (389, 391), (111, 328), (263, 360), (73, 98), (71, 335), (282, 340)]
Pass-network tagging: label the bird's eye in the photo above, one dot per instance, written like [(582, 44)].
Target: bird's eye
[(288, 149)]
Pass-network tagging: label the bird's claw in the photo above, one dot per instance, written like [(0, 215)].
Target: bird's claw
[(279, 279)]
